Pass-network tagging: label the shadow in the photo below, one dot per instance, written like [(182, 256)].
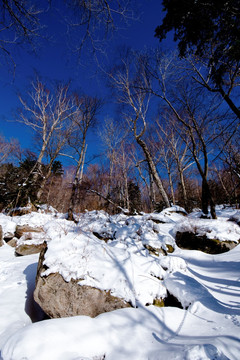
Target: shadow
[(203, 295), (32, 309), (215, 280)]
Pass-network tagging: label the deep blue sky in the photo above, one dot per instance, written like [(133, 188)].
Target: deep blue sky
[(55, 61)]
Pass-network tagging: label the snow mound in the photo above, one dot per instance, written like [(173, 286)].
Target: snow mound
[(213, 229)]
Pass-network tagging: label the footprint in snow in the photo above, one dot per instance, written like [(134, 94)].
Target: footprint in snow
[(234, 319)]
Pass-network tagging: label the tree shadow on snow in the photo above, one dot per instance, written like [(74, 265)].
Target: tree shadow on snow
[(32, 309)]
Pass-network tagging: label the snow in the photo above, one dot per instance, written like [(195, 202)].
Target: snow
[(207, 286), (218, 229)]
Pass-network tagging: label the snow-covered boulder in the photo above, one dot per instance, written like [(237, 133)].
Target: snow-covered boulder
[(59, 298), (78, 266), (210, 236), (23, 229), (30, 239)]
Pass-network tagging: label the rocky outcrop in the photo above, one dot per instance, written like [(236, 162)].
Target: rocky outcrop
[(59, 298), (191, 241)]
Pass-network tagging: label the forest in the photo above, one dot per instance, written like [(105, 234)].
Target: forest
[(174, 136)]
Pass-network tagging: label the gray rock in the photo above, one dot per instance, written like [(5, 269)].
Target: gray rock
[(27, 249), (21, 229), (59, 298), (12, 242), (24, 233), (191, 241)]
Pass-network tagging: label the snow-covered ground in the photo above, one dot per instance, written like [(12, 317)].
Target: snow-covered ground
[(132, 264)]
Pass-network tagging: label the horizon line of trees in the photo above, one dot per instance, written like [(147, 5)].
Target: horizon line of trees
[(103, 187)]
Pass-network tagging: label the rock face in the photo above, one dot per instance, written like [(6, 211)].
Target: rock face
[(59, 298), (191, 241)]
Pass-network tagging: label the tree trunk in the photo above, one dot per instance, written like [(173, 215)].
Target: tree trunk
[(152, 194), (72, 200), (185, 200), (207, 199), (77, 181), (153, 170), (171, 185), (204, 197)]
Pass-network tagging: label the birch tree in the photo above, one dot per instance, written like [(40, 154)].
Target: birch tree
[(176, 150), (83, 119), (129, 80), (49, 113), (195, 114)]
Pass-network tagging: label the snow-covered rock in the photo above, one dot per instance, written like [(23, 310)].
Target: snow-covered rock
[(207, 286), (211, 236), (60, 298)]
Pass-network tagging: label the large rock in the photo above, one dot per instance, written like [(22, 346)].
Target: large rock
[(59, 298), (29, 240), (191, 241), (8, 237), (22, 229), (28, 249)]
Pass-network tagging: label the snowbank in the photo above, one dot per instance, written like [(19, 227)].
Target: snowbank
[(208, 287)]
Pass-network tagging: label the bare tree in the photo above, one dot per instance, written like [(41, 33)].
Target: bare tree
[(56, 144), (227, 88), (83, 119), (115, 141), (19, 23), (129, 81), (8, 149), (98, 20), (175, 152), (229, 174), (49, 114), (194, 112)]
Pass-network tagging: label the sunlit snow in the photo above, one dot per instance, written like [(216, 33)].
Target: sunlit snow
[(207, 286)]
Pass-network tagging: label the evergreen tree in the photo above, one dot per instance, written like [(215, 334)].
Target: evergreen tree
[(207, 28)]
